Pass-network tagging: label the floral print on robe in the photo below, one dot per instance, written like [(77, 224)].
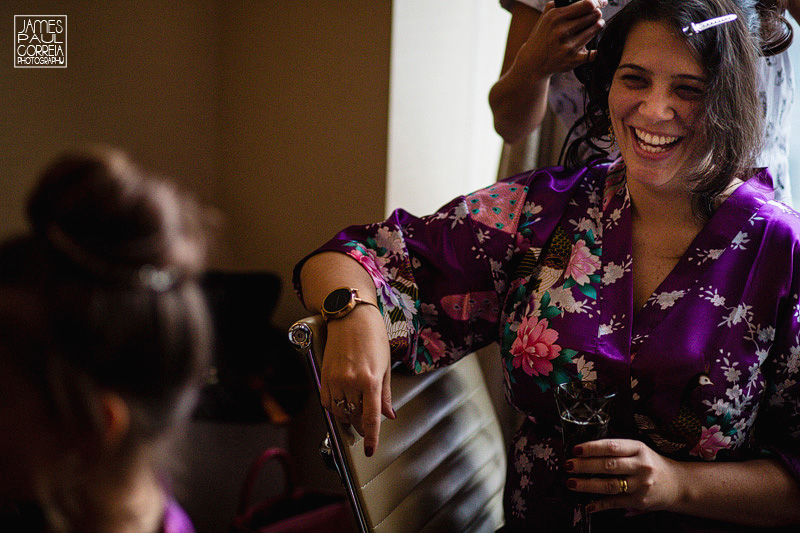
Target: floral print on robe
[(541, 263)]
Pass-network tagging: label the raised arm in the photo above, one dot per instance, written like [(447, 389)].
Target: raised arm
[(539, 45)]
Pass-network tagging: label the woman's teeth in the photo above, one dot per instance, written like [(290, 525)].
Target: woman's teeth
[(654, 143)]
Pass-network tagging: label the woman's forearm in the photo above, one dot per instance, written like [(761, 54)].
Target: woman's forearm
[(519, 97), (756, 493), (519, 102), (356, 370), (538, 46), (326, 271)]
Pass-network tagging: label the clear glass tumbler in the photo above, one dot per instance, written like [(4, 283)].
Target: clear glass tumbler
[(584, 408)]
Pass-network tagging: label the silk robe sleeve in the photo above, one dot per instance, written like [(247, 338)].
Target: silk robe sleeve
[(441, 279), (778, 419)]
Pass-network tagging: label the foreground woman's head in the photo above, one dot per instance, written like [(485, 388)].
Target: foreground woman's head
[(104, 332)]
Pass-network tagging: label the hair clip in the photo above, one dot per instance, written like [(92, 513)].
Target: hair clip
[(156, 279), (694, 29)]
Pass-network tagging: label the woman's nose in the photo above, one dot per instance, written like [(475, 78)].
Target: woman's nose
[(657, 105)]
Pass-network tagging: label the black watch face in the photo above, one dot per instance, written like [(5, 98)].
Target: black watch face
[(337, 300)]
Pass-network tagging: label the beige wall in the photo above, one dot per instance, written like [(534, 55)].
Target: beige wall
[(305, 105), (128, 82), (269, 109), (272, 110)]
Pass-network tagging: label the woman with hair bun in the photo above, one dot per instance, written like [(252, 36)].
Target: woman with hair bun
[(104, 341)]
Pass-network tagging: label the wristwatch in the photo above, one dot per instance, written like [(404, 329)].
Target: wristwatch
[(341, 301)]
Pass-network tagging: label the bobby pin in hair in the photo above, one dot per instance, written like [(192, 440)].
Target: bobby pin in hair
[(693, 29)]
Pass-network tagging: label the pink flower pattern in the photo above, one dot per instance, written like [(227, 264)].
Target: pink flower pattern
[(432, 340), (581, 263), (535, 347), (711, 441), (369, 262)]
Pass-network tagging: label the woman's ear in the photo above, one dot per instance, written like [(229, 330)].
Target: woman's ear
[(116, 418)]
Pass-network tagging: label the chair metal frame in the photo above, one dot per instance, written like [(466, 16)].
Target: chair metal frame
[(305, 335)]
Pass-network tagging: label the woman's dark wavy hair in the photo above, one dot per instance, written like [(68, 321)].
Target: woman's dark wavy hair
[(774, 30), (732, 121)]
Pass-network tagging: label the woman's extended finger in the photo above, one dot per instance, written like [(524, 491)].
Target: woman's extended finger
[(608, 447), (580, 16), (386, 393), (607, 466), (325, 398)]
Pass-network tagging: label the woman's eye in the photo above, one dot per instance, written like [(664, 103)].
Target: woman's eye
[(689, 92), (632, 80)]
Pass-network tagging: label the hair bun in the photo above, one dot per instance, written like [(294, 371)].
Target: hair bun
[(102, 212)]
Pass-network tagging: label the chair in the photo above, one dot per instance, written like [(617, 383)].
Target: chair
[(440, 465)]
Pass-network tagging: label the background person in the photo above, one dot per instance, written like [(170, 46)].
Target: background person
[(104, 341), (669, 274)]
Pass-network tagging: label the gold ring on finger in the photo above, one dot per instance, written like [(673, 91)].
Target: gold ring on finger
[(623, 486)]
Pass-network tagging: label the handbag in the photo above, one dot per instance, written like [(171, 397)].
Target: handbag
[(297, 510)]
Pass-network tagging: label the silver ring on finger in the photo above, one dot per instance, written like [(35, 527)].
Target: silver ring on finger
[(349, 408)]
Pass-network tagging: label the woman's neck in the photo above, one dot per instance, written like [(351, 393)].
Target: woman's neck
[(663, 208), (135, 504), (666, 208)]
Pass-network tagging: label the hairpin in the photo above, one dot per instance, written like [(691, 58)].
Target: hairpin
[(157, 279), (147, 276), (693, 29)]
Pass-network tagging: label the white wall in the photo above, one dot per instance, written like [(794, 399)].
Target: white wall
[(445, 56), (794, 144)]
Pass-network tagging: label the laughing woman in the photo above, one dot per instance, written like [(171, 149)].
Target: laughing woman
[(668, 274)]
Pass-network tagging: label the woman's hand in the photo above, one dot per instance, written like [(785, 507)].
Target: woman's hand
[(634, 476), (538, 46), (757, 492), (356, 372), (558, 41), (356, 365)]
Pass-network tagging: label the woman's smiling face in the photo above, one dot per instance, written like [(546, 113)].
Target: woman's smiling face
[(655, 104)]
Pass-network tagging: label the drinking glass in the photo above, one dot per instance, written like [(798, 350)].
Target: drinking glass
[(584, 408)]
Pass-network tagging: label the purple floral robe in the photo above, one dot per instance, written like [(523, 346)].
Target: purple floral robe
[(541, 263)]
